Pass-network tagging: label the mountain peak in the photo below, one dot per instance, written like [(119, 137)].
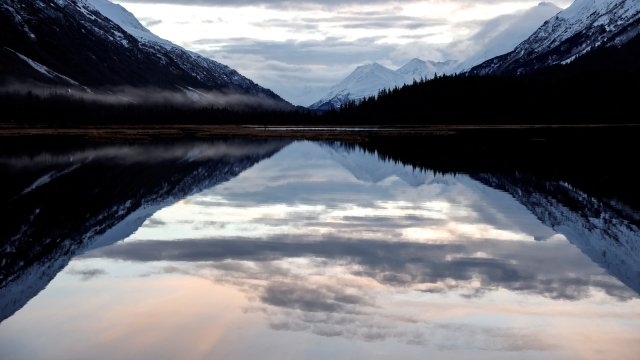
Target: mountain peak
[(368, 79), (374, 66)]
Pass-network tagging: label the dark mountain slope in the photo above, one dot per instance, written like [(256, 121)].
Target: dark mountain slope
[(71, 43)]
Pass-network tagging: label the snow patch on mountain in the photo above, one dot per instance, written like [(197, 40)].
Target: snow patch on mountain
[(43, 69), (127, 21)]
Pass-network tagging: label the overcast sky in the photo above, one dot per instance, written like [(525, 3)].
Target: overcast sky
[(300, 48)]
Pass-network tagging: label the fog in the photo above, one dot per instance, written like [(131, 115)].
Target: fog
[(126, 95)]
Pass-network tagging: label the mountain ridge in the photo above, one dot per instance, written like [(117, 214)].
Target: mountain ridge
[(75, 40), (584, 26)]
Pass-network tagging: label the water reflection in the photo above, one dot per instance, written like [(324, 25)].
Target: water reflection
[(57, 203), (320, 251)]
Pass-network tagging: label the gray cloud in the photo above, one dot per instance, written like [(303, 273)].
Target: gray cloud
[(280, 4), (291, 300), (299, 71), (289, 4), (330, 51), (303, 71), (401, 264), (355, 20), (381, 327), (325, 298), (87, 274), (149, 22)]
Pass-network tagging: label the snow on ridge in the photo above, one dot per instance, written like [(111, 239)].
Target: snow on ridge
[(581, 15), (42, 69), (127, 21)]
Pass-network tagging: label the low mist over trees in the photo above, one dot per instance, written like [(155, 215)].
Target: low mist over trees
[(595, 88)]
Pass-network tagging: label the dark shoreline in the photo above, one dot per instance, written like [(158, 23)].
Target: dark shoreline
[(315, 131)]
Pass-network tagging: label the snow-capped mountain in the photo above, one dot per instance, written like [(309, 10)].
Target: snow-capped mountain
[(504, 33), (55, 206), (585, 25), (367, 80), (496, 38), (97, 45)]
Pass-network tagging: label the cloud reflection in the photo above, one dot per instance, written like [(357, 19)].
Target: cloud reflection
[(87, 274), (547, 270), (333, 242)]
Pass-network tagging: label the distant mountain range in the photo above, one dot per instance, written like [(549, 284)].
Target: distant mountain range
[(95, 46), (367, 80), (496, 38)]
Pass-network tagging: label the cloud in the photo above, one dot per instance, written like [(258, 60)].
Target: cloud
[(299, 71), (288, 4), (300, 49), (279, 4), (452, 267), (340, 287), (313, 298), (149, 22), (302, 71), (125, 95), (87, 274)]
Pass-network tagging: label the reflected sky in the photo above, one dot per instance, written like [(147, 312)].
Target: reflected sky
[(321, 252)]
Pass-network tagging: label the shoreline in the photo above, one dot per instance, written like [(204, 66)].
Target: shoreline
[(302, 132)]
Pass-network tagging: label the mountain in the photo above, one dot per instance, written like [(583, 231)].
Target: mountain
[(99, 47), (367, 80), (584, 26), (503, 33)]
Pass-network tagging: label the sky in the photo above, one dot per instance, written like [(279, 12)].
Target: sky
[(299, 49)]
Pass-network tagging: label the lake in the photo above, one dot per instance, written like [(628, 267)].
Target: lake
[(277, 248)]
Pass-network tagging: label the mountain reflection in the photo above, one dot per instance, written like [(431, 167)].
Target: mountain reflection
[(57, 203), (309, 240)]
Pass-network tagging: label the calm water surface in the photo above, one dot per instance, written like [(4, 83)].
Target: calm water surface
[(323, 252)]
